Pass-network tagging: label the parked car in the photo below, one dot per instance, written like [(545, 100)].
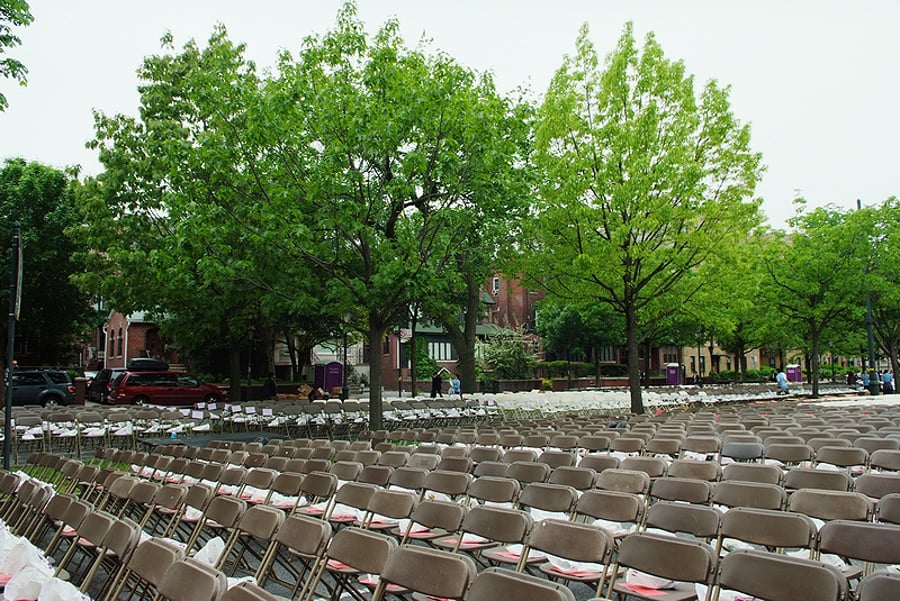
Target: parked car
[(98, 389), (162, 388), (46, 387), (100, 384)]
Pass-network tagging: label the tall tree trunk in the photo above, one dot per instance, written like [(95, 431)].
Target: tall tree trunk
[(234, 370), (634, 368), (377, 328), (814, 361), (463, 339)]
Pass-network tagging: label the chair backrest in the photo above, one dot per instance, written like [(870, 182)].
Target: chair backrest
[(363, 550), (191, 580), (611, 506), (696, 470), (305, 535), (446, 515), (889, 508), (831, 505), (498, 584), (770, 528), (599, 462), (798, 477), (494, 489), (863, 541), (527, 472), (681, 489), (842, 456), (393, 504), (878, 586), (248, 591), (579, 478), (621, 480), (789, 453), (430, 572), (497, 524), (667, 557), (885, 459), (654, 467), (748, 494), (225, 510), (777, 577), (753, 472), (557, 498), (740, 450), (696, 520), (153, 558), (450, 483), (877, 486), (573, 541)]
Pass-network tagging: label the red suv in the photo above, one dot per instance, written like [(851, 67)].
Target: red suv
[(162, 388)]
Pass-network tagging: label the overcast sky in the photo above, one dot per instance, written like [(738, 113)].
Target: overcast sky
[(817, 79)]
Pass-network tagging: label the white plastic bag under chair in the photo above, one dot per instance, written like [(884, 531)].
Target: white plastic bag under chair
[(724, 595), (233, 582), (616, 528), (60, 590), (211, 551), (633, 576), (27, 583), (20, 554)]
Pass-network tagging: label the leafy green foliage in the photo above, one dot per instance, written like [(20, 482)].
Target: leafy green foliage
[(817, 276), (13, 13), (646, 185), (55, 315), (507, 358)]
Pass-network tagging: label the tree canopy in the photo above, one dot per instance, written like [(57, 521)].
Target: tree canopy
[(13, 13), (55, 314), (645, 184)]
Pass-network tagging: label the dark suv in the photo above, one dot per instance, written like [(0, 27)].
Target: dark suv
[(162, 388), (47, 387)]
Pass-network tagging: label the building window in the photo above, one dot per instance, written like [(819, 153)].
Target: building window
[(121, 343), (495, 286), (693, 364), (441, 351), (702, 364), (606, 354)]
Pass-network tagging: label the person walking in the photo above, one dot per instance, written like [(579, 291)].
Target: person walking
[(437, 383), (269, 388), (455, 385)]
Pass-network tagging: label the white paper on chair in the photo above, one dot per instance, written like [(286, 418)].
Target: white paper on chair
[(633, 576), (59, 590), (211, 551), (27, 583)]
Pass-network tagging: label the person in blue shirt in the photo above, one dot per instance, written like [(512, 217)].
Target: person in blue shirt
[(782, 380), (454, 385), (887, 382)]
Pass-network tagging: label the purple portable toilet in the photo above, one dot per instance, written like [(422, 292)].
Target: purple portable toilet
[(793, 373), (673, 374), (334, 376)]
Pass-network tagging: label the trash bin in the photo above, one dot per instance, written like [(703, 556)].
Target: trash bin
[(80, 390)]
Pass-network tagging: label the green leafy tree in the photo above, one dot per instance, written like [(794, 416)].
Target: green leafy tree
[(55, 315), (646, 183), (816, 275), (167, 214), (13, 13), (884, 279), (507, 357), (377, 159)]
